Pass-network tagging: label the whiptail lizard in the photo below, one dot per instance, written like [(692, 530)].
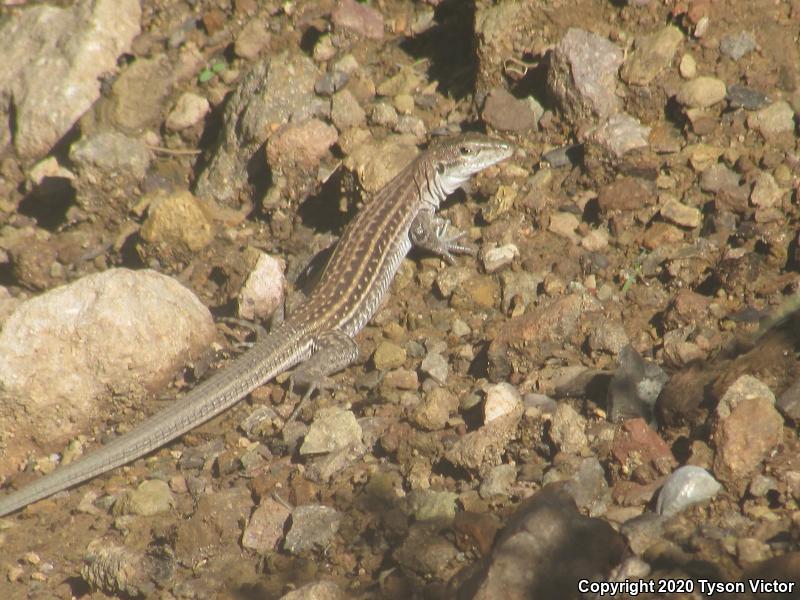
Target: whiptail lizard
[(318, 336)]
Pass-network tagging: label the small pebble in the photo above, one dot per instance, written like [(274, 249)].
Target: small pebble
[(701, 92), (497, 258), (501, 399), (687, 485), (688, 67)]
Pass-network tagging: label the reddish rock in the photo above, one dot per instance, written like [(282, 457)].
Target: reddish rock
[(636, 444), (627, 193), (360, 18)]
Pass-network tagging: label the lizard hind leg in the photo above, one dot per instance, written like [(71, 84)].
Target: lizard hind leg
[(333, 351)]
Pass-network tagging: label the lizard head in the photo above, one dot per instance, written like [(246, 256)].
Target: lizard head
[(455, 160)]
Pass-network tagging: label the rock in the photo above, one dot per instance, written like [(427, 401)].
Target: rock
[(53, 62), (277, 89), (498, 481), (426, 553), (486, 445), (189, 110), (401, 379), (608, 336), (138, 94), (620, 134), (680, 214), (583, 74), (331, 82), (564, 224), (626, 193), (346, 111), (567, 429), (775, 119), (313, 526), (652, 54), (766, 193), (69, 347), (324, 50), (547, 545), (322, 590), (501, 399), (588, 487), (109, 165), (265, 527), (214, 525), (435, 365), (737, 45), (718, 177), (177, 224), (688, 67), (634, 387), (252, 39), (388, 355), (595, 241), (741, 96), (701, 92), (687, 485), (789, 402), (495, 259), (359, 18), (384, 114), (264, 289), (507, 113), (435, 409), (404, 104), (300, 145), (332, 428), (149, 498), (430, 505), (747, 429), (636, 444)]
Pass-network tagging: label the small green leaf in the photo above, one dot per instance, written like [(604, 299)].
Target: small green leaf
[(205, 75), (219, 66)]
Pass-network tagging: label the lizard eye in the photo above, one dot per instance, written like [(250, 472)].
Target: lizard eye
[(465, 150)]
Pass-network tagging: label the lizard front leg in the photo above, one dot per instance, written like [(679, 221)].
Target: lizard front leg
[(433, 233)]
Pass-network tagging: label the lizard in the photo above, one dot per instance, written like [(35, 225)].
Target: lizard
[(317, 339)]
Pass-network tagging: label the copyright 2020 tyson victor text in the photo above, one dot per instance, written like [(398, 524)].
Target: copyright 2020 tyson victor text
[(706, 587)]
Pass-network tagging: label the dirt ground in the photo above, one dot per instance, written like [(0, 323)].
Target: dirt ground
[(643, 249)]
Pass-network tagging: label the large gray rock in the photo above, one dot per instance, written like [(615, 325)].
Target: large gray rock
[(52, 62)]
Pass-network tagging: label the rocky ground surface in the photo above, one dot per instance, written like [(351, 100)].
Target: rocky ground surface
[(608, 391)]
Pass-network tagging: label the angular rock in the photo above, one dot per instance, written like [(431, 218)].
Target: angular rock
[(747, 429), (651, 55), (507, 113), (359, 18), (620, 134), (567, 430), (313, 526), (263, 291), (332, 428), (775, 119), (276, 90), (53, 59), (265, 527), (300, 145), (583, 75)]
